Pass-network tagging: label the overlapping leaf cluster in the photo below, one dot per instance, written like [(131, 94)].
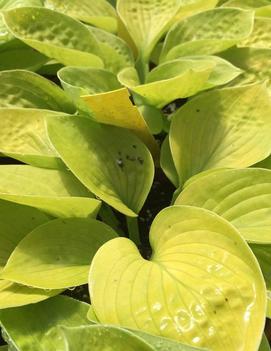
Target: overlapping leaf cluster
[(86, 147)]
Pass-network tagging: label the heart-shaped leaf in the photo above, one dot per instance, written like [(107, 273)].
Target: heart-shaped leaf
[(56, 192), (57, 254), (146, 21), (241, 196), (28, 327), (97, 13), (55, 35), (19, 88), (207, 33), (202, 285), (23, 136), (113, 163), (222, 128), (15, 295)]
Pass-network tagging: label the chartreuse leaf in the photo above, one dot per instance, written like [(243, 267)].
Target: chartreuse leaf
[(207, 33), (23, 133), (55, 35), (167, 163), (57, 254), (263, 255), (115, 53), (146, 21), (246, 3), (242, 196), (56, 192), (254, 62), (113, 164), (202, 285), (15, 295), (192, 7), (13, 231), (78, 81), (28, 327), (259, 38), (180, 78), (97, 13), (173, 80), (264, 344), (115, 108), (222, 128), (20, 88), (153, 117), (29, 58), (101, 337)]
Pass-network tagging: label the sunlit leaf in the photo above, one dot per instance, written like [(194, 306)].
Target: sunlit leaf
[(207, 33), (97, 13), (173, 80), (57, 254), (254, 62), (241, 196), (115, 108), (78, 81), (56, 192), (246, 3), (23, 134), (15, 295), (146, 21), (54, 35), (20, 88), (113, 163), (200, 275), (193, 7), (222, 128), (259, 37), (28, 327)]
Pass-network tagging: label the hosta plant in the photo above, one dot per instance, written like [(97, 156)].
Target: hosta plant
[(116, 114)]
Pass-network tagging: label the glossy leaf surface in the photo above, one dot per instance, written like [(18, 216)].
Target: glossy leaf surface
[(58, 193), (57, 254), (113, 163), (200, 275), (222, 128), (22, 328), (241, 196)]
